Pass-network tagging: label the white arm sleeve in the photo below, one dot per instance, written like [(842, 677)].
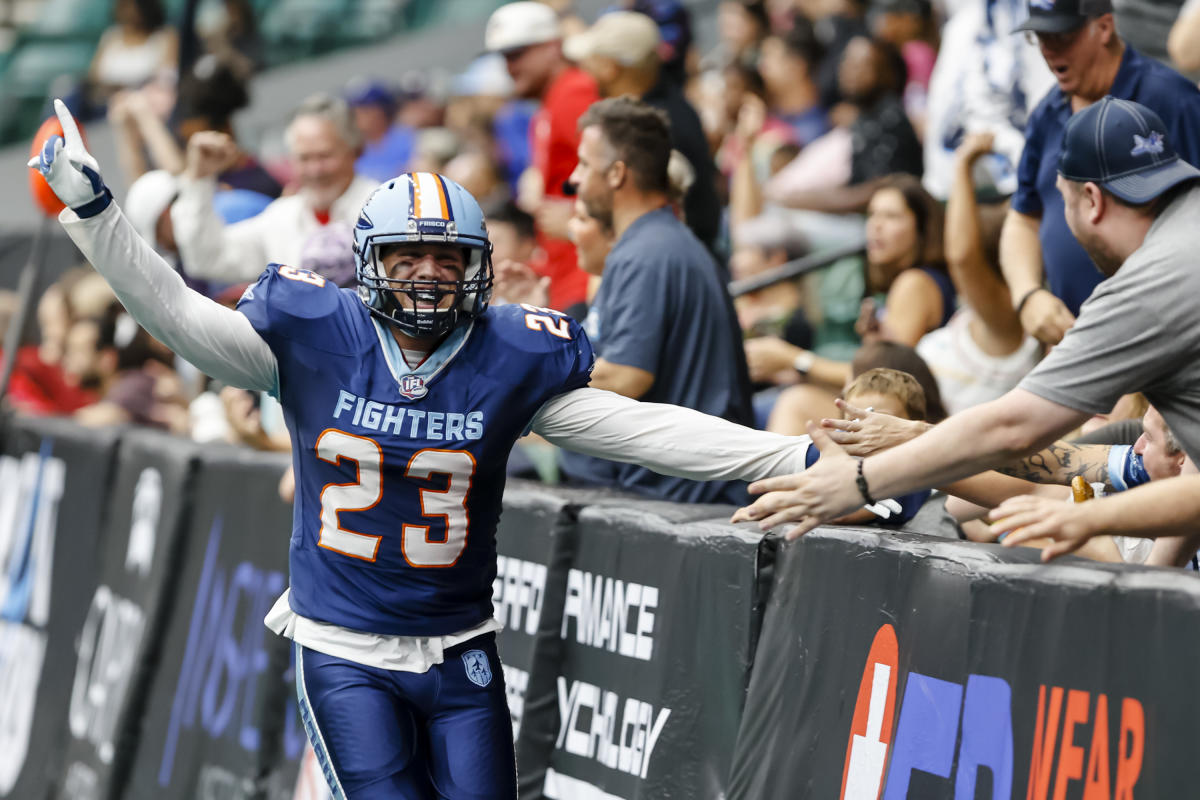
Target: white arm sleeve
[(667, 439), (208, 247), (220, 341)]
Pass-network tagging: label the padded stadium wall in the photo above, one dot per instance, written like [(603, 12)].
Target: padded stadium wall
[(651, 650)]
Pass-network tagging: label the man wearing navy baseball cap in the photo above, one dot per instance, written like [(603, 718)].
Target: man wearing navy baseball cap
[(1115, 172), (1062, 16), (1049, 274), (1134, 204)]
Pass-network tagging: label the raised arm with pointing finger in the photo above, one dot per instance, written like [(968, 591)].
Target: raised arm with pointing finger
[(220, 342)]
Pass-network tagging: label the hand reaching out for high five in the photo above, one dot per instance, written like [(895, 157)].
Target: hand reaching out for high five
[(865, 431), (822, 493), (1029, 517)]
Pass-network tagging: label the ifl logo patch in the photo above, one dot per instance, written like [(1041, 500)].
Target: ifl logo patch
[(478, 669), (1042, 5), (413, 386), (1152, 144)]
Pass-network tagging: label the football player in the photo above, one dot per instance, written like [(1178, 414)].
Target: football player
[(403, 401)]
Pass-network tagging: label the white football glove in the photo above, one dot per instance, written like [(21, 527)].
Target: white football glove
[(70, 169), (885, 509)]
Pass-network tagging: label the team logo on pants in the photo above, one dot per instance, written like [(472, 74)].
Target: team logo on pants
[(478, 670)]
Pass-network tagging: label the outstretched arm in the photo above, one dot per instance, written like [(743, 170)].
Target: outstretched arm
[(1062, 461), (865, 433), (219, 341), (851, 199), (1018, 423), (1169, 507), (667, 439)]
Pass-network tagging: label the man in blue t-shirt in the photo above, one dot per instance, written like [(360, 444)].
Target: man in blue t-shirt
[(661, 323), (1081, 46)]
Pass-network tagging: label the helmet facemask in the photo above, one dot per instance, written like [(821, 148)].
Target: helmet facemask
[(419, 307), (425, 211)]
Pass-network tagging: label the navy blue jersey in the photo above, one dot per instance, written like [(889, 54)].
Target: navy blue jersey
[(399, 472)]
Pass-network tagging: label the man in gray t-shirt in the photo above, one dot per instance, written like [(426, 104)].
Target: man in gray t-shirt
[(1133, 204), (1141, 331)]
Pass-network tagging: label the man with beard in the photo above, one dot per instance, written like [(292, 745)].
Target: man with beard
[(661, 323), (311, 229), (1132, 203)]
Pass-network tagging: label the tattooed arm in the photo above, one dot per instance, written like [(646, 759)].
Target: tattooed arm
[(1062, 461)]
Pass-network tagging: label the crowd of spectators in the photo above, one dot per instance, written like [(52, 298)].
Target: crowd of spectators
[(628, 173)]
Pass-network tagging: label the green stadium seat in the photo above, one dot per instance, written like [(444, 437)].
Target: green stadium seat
[(33, 65), (72, 18), (60, 44), (294, 29), (369, 21), (35, 62)]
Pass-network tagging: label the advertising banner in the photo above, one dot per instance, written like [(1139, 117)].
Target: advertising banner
[(533, 521), (657, 632), (121, 637), (894, 666), (54, 483), (221, 719)]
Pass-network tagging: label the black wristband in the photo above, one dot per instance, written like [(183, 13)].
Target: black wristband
[(1025, 298), (861, 480), (94, 207)]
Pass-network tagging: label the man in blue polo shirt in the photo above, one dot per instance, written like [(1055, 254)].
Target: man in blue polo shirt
[(1088, 59), (662, 322)]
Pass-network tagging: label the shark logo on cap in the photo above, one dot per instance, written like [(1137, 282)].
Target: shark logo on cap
[(1152, 144), (1042, 5)]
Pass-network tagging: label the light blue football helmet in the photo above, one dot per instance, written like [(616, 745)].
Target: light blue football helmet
[(428, 208)]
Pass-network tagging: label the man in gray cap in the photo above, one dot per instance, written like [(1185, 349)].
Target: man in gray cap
[(1133, 204), (1048, 273), (621, 51)]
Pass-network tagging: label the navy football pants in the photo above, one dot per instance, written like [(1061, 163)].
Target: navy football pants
[(381, 734)]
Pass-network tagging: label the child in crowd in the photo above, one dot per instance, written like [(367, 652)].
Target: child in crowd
[(888, 391)]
